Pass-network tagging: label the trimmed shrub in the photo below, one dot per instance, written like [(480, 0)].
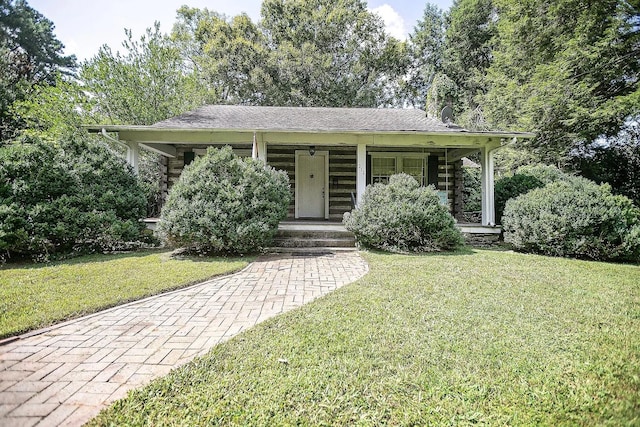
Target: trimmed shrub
[(472, 189), (574, 218), (512, 186), (225, 204), (76, 196), (544, 173), (524, 180), (403, 217)]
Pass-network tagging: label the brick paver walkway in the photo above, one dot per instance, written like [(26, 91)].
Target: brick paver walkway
[(66, 374)]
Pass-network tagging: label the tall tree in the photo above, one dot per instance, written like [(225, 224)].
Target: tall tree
[(467, 56), (616, 162), (29, 54), (426, 49), (568, 69), (146, 84), (54, 112), (229, 54), (330, 53)]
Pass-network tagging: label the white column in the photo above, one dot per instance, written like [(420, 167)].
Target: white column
[(361, 171), (262, 150), (254, 147), (488, 197), (133, 155)]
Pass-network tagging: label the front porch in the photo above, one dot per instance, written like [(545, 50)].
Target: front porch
[(329, 154)]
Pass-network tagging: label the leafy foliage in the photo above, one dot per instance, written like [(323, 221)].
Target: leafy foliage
[(425, 51), (616, 163), (467, 55), (76, 196), (225, 204), (512, 186), (525, 179), (472, 192), (29, 54), (566, 69), (53, 112), (574, 218), (303, 53), (402, 216), (228, 55), (146, 84)]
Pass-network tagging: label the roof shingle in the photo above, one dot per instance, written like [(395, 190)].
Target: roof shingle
[(320, 119)]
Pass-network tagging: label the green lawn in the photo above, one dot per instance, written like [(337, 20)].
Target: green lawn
[(483, 337), (37, 295)]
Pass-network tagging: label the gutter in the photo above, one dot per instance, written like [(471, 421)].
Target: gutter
[(110, 138)]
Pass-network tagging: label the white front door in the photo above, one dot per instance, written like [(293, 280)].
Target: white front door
[(311, 181)]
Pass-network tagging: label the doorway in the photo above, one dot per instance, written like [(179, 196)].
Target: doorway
[(312, 184)]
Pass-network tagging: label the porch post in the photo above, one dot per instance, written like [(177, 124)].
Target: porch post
[(488, 197), (361, 171), (262, 150), (133, 155)]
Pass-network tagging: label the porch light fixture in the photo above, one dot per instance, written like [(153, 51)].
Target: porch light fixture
[(312, 150)]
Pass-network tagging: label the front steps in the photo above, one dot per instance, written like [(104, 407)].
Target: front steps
[(302, 236)]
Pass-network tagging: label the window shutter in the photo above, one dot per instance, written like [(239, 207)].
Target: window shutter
[(432, 171), (189, 156)]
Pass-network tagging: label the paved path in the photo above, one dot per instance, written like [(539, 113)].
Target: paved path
[(66, 374)]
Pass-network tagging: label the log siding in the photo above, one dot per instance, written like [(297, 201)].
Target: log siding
[(342, 171)]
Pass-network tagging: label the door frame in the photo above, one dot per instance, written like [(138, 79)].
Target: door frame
[(326, 180)]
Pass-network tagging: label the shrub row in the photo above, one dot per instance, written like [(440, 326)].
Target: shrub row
[(74, 196)]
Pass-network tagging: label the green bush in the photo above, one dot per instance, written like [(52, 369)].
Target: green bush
[(525, 179), (74, 196), (403, 217), (545, 173), (574, 218), (472, 189), (225, 204)]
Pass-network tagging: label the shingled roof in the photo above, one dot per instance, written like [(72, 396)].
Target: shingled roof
[(310, 119)]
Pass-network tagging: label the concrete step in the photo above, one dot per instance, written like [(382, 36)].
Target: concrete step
[(314, 242), (314, 234), (309, 251)]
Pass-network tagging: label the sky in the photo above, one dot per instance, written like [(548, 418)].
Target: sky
[(84, 25)]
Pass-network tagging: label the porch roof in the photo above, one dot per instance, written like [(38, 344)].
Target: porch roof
[(323, 120)]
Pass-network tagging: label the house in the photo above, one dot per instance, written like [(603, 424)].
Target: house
[(330, 154)]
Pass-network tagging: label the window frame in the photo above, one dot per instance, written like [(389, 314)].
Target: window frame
[(399, 164)]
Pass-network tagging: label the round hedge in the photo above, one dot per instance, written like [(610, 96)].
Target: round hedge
[(574, 218), (403, 217), (525, 179), (76, 196), (225, 204)]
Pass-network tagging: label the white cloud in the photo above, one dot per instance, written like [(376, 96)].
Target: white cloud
[(393, 22)]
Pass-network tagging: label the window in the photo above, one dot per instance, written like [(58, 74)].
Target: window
[(383, 165), (414, 166), (382, 168)]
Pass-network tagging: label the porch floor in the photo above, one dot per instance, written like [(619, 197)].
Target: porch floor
[(308, 225), (329, 225)]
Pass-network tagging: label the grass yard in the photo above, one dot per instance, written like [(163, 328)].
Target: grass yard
[(37, 295), (483, 337)]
